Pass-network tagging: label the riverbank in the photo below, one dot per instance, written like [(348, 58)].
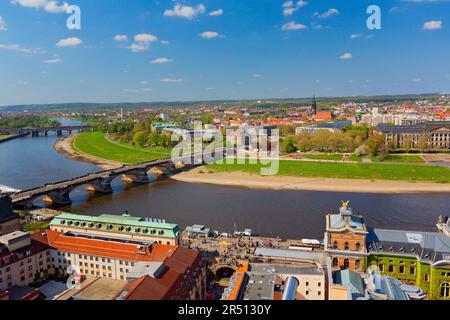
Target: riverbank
[(253, 181), (64, 146)]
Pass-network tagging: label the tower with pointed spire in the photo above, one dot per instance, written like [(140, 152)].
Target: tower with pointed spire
[(314, 106)]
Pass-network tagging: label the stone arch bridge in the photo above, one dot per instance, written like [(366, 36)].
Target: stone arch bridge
[(58, 194)]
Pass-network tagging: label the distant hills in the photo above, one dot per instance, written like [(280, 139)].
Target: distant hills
[(189, 104)]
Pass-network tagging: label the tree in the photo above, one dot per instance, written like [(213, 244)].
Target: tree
[(376, 145), (139, 138), (288, 145)]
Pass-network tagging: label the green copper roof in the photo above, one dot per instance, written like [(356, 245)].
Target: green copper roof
[(119, 224)]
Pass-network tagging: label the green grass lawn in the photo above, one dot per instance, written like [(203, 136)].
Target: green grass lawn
[(373, 171), (403, 158), (96, 144)]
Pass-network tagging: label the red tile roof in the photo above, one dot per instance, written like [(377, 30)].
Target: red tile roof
[(113, 249)]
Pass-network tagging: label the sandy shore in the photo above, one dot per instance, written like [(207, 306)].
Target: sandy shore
[(246, 180), (64, 147), (240, 179)]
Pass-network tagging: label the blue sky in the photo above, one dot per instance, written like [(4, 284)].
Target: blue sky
[(148, 50)]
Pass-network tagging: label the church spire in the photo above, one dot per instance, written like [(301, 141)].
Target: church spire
[(314, 106)]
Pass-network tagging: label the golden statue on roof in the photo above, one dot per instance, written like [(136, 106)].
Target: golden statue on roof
[(345, 204)]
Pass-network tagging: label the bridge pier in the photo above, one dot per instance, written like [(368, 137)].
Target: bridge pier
[(136, 176), (59, 132), (59, 197), (101, 185)]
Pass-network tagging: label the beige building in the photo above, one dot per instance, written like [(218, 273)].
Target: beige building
[(430, 135), (23, 258)]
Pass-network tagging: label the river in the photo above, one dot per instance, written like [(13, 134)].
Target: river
[(29, 162)]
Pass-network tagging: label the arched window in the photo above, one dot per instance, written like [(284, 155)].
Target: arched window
[(358, 246), (445, 290), (335, 245), (346, 263), (335, 262), (357, 264), (346, 246)]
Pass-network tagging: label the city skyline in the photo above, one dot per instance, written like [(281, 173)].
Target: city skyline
[(217, 50)]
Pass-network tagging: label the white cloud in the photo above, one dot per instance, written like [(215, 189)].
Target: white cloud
[(355, 36), (120, 38), (416, 80), (53, 61), (138, 47), (18, 48), (289, 11), (209, 34), (289, 7), (165, 42), (217, 12), (3, 26), (144, 82), (329, 13), (51, 6), (161, 60), (145, 37), (292, 25), (346, 56), (185, 11), (432, 25), (69, 42), (256, 75), (169, 80)]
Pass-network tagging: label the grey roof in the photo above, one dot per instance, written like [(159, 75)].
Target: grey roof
[(260, 286), (352, 280), (427, 246), (418, 128), (344, 217), (257, 268), (289, 254)]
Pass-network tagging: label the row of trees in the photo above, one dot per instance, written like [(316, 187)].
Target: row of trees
[(138, 133), (325, 141), (27, 121)]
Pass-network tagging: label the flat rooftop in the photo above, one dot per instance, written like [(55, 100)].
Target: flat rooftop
[(95, 289)]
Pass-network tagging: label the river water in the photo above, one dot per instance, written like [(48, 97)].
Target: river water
[(30, 162)]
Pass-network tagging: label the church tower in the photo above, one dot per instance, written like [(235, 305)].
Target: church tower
[(314, 106)]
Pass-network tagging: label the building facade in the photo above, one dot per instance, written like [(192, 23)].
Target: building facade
[(345, 239), (23, 259), (430, 135), (417, 258)]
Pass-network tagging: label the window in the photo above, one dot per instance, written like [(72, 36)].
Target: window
[(426, 277), (357, 264), (412, 270), (319, 293), (381, 267), (346, 246), (401, 270), (307, 283), (391, 268), (445, 290), (346, 263), (358, 246), (335, 245)]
